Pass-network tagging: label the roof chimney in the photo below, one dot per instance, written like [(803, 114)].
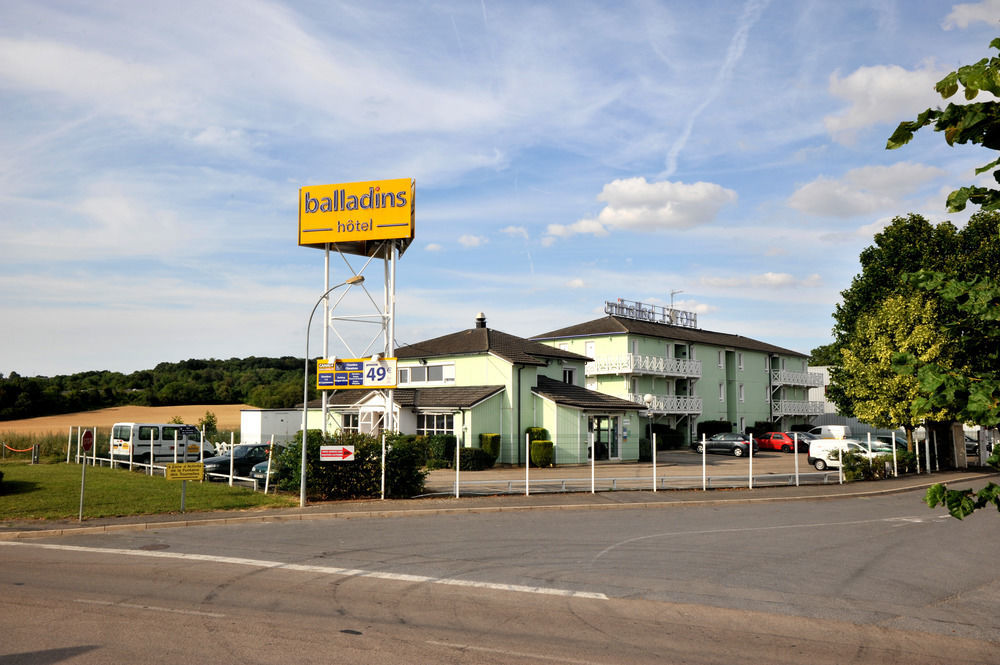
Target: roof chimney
[(481, 320)]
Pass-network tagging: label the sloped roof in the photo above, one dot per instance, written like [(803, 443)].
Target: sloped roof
[(511, 348), (443, 397), (570, 395), (616, 325)]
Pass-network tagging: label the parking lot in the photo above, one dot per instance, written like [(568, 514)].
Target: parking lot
[(675, 469)]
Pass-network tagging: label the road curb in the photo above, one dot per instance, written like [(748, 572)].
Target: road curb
[(598, 502)]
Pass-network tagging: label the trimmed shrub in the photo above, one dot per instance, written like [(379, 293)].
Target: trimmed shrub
[(711, 427), (441, 447), (474, 459), (542, 453), (537, 434), (645, 450), (491, 444), (763, 427)]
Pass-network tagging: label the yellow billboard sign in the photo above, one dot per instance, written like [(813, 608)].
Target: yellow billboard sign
[(356, 216)]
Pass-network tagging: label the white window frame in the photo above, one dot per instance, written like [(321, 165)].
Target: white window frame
[(443, 423), (571, 373), (722, 391), (741, 392), (739, 359), (722, 358)]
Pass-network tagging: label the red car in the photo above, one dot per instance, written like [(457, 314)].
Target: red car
[(782, 441)]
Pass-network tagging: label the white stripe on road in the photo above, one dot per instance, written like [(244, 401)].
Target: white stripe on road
[(151, 608), (323, 570)]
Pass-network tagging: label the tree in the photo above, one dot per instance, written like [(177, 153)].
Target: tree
[(973, 392), (904, 246), (827, 354), (881, 396)]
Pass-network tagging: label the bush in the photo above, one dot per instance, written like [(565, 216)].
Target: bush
[(645, 452), (491, 444), (362, 478), (710, 428), (537, 434), (441, 447), (542, 453), (474, 459), (859, 467)]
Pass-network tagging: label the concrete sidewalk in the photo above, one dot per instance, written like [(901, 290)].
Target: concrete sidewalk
[(607, 500)]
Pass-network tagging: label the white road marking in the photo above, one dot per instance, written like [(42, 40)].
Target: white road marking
[(323, 570), (508, 652), (152, 608), (674, 534)]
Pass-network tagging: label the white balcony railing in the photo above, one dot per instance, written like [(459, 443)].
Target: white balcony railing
[(669, 404), (789, 407), (629, 363), (786, 378)]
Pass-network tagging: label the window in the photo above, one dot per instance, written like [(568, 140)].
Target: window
[(722, 358), (634, 383), (741, 392), (435, 423), (349, 422), (146, 433), (739, 359), (564, 346), (569, 375), (427, 374), (722, 392)]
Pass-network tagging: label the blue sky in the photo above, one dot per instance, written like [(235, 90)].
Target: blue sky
[(565, 153)]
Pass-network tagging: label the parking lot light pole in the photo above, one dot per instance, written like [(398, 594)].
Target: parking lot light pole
[(350, 281)]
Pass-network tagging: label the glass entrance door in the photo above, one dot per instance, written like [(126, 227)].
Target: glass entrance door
[(605, 432)]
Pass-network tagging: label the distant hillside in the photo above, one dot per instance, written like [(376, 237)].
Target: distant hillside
[(267, 383)]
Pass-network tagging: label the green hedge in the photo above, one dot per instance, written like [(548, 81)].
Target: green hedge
[(474, 459), (361, 478), (542, 453), (491, 444), (538, 434)]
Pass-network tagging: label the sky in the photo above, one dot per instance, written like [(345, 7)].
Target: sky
[(727, 156)]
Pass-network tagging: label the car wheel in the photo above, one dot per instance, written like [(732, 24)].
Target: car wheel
[(700, 448), (786, 448), (820, 465), (737, 452)]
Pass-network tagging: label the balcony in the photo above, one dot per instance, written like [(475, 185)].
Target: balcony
[(789, 407), (780, 377), (628, 363), (670, 404)]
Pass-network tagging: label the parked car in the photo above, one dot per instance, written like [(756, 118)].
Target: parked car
[(971, 446), (823, 452), (832, 431), (259, 471), (885, 442), (726, 442), (783, 441), (245, 456)]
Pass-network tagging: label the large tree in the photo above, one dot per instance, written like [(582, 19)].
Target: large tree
[(973, 393), (880, 395)]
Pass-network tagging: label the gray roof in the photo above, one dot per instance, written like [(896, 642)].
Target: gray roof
[(443, 397), (511, 348), (616, 325), (570, 395)]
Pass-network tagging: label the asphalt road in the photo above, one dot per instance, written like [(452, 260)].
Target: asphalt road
[(851, 580)]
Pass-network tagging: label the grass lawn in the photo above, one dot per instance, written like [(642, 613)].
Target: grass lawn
[(52, 491)]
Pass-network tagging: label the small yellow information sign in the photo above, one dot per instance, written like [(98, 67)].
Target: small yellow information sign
[(185, 471)]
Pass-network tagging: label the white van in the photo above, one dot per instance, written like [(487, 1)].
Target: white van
[(823, 452), (832, 431), (133, 440)]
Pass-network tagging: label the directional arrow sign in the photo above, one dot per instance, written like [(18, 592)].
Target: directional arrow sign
[(336, 453)]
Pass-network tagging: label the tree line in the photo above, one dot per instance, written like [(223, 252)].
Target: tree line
[(267, 383)]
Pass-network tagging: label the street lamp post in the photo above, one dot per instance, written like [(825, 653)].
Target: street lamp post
[(350, 281)]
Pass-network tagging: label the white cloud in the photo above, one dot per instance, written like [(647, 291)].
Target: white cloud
[(767, 280), (433, 247), (637, 205), (880, 94), (863, 190), (966, 13), (518, 231), (576, 283), (472, 241)]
